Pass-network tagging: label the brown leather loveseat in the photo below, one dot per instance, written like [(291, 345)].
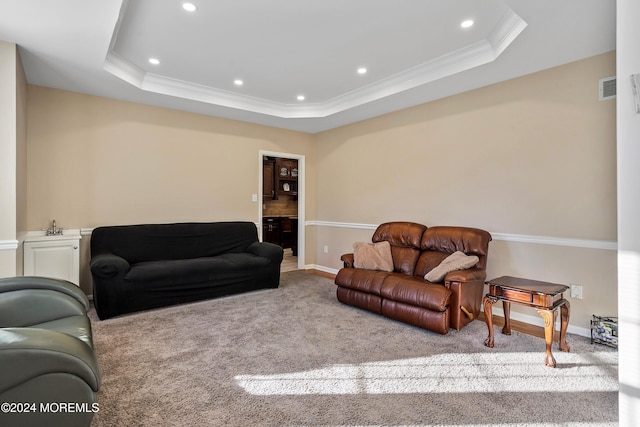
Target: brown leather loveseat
[(404, 294)]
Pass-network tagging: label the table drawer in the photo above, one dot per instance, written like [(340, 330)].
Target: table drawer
[(514, 295)]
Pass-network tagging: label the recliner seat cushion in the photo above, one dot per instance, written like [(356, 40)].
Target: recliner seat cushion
[(368, 281), (416, 292)]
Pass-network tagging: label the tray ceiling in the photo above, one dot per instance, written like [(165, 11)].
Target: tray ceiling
[(413, 51)]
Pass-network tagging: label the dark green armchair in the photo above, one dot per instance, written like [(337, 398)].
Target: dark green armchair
[(48, 370)]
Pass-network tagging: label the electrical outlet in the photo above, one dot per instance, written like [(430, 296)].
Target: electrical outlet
[(576, 291), (326, 249)]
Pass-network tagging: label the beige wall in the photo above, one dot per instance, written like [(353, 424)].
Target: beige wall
[(531, 156), (95, 161), (534, 155)]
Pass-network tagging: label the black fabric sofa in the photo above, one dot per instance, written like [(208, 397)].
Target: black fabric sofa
[(138, 267)]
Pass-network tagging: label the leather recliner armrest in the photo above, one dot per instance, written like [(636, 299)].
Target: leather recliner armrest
[(468, 275), (107, 266), (27, 353), (467, 287), (348, 260), (20, 283)]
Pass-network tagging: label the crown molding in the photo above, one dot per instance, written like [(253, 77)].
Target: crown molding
[(506, 31), (482, 52)]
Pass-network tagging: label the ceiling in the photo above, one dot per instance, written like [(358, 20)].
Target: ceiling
[(414, 51)]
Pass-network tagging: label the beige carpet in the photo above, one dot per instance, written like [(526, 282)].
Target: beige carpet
[(295, 356)]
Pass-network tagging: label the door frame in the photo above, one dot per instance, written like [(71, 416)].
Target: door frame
[(301, 198)]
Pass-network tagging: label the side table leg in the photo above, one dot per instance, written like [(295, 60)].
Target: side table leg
[(488, 317), (506, 307), (565, 310), (549, 317)]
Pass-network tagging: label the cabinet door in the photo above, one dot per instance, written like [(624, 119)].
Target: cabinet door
[(268, 180), (286, 233), (286, 177), (271, 231), (289, 231), (59, 259)]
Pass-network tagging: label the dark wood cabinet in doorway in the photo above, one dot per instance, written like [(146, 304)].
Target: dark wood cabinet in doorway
[(282, 231), (271, 230), (269, 178), (279, 177)]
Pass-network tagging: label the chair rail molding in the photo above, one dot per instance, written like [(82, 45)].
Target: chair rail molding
[(509, 237), (8, 245)]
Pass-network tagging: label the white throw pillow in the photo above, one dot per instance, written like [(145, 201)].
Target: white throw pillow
[(456, 261)]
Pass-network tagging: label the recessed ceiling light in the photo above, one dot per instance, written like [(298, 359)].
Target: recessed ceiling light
[(189, 7), (466, 24), (300, 98), (362, 70), (154, 61), (238, 82)]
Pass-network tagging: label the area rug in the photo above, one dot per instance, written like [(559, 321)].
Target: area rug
[(295, 356)]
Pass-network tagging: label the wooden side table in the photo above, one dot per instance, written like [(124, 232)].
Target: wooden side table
[(544, 297)]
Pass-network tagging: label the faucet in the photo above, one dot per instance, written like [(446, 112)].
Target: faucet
[(54, 230)]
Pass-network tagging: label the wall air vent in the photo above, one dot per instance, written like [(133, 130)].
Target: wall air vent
[(607, 88)]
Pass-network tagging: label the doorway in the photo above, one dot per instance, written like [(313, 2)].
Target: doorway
[(281, 204)]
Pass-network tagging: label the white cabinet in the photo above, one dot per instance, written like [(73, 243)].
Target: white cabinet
[(53, 256)]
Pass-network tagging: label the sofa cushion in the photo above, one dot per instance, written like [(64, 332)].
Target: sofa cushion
[(415, 291), (172, 272), (373, 256), (456, 261)]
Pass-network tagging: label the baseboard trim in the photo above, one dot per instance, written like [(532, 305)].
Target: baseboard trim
[(322, 268)]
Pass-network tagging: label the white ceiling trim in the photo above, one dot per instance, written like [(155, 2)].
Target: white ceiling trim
[(485, 51)]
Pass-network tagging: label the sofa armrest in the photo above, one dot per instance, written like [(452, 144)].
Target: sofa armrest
[(467, 289), (11, 284), (268, 250), (27, 353), (347, 259), (108, 266)]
